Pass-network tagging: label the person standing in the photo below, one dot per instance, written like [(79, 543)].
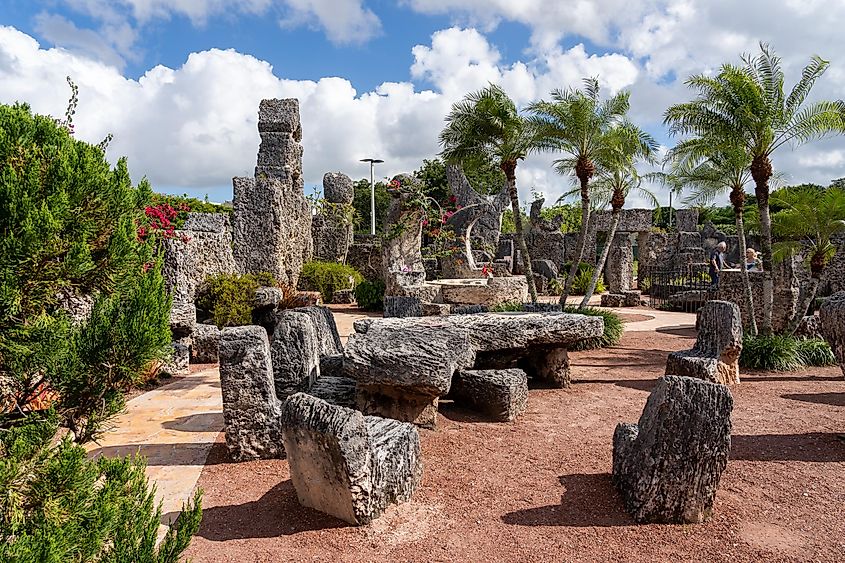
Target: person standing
[(752, 261), (717, 263)]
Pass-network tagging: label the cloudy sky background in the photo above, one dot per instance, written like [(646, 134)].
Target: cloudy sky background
[(178, 81)]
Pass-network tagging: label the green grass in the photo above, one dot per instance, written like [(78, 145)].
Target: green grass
[(613, 328)]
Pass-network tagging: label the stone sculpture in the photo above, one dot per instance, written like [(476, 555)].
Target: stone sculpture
[(346, 464), (715, 356), (251, 409), (272, 218), (331, 227), (832, 321), (668, 466)]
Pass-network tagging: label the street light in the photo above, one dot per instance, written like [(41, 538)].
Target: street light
[(373, 162)]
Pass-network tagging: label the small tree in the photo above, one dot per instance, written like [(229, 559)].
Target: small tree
[(576, 122), (747, 105), (486, 125), (809, 221), (617, 177)]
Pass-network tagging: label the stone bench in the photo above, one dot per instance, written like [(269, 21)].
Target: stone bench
[(500, 394), (346, 464), (668, 466), (251, 409), (832, 325), (715, 356), (626, 298), (402, 365)]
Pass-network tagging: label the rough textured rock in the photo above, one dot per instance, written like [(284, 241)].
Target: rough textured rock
[(546, 363), (338, 188), (487, 229), (399, 306), (331, 228), (715, 356), (402, 369), (491, 291), (205, 344), (295, 353), (335, 390), (78, 307), (809, 327), (668, 466), (194, 255), (267, 297), (500, 394), (402, 243), (832, 321), (686, 220), (629, 298), (365, 256), (328, 338), (619, 270), (183, 318), (178, 364), (251, 410), (785, 300), (272, 218), (348, 465), (435, 309), (630, 221), (545, 268)]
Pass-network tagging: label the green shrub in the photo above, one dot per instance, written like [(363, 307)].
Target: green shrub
[(328, 277), (229, 299), (58, 505), (370, 295), (582, 282), (613, 328), (770, 353), (70, 226), (815, 352)]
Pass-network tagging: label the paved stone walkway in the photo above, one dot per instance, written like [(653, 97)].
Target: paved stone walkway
[(175, 425)]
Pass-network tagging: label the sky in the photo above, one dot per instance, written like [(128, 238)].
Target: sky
[(178, 82)]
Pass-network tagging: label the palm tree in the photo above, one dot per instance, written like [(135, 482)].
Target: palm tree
[(617, 177), (747, 105), (710, 170), (809, 221), (486, 124), (575, 123)]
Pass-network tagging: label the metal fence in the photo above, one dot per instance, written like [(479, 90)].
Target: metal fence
[(678, 289)]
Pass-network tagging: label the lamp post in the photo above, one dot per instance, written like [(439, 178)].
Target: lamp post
[(373, 162)]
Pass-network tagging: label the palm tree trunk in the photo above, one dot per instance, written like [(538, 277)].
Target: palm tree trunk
[(746, 281), (614, 223), (761, 171), (805, 296), (581, 243), (520, 233)]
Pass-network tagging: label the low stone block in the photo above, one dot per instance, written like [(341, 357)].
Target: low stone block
[(325, 327), (832, 324), (500, 394), (550, 365), (668, 466), (295, 353), (612, 300), (206, 342), (251, 410), (348, 465), (715, 356), (399, 306), (344, 296), (633, 298), (435, 309)]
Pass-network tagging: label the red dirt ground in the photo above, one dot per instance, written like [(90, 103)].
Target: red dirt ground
[(539, 489)]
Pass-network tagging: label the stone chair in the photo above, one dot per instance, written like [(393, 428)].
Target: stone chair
[(832, 325), (668, 466), (715, 356), (346, 464), (251, 409)]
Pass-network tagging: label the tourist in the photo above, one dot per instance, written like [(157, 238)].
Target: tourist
[(717, 262), (752, 261)]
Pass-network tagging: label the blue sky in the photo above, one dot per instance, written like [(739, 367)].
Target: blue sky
[(178, 81)]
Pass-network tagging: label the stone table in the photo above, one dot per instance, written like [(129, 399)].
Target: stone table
[(403, 365)]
